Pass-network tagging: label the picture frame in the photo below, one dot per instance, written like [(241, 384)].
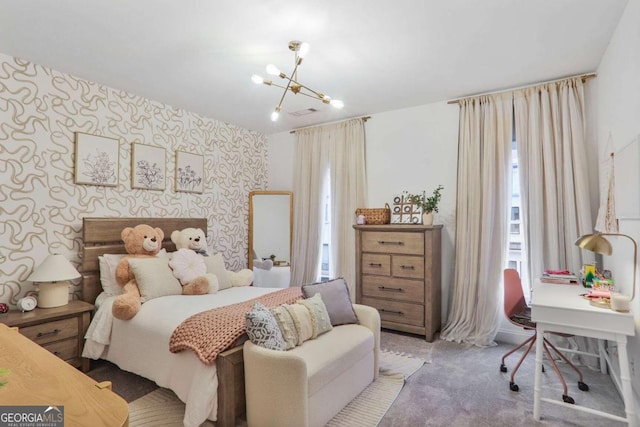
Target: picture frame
[(96, 160), (148, 167), (189, 172)]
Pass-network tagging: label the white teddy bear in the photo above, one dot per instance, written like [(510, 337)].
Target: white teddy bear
[(188, 263), (194, 239)]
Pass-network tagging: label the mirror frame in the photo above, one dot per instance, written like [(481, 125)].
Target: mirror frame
[(267, 193)]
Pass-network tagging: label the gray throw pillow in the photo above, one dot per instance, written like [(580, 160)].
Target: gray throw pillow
[(335, 296), (263, 329)]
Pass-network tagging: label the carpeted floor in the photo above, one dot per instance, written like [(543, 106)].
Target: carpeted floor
[(461, 386), (162, 408)]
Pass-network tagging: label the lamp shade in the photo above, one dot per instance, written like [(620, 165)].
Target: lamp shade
[(595, 243), (55, 268)]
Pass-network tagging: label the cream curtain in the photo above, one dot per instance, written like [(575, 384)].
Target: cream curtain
[(482, 218), (550, 130), (335, 151), (549, 121)]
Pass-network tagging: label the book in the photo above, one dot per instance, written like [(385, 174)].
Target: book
[(559, 278)]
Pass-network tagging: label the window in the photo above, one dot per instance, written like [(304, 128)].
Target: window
[(325, 259)]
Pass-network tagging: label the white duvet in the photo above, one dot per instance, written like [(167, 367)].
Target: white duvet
[(141, 346)]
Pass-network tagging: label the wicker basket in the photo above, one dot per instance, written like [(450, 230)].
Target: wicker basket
[(376, 216)]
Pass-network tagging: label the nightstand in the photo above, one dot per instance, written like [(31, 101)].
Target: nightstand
[(60, 330)]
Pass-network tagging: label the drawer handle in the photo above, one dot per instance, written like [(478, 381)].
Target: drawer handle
[(44, 334), (57, 353), (385, 288), (384, 242), (375, 264), (407, 267), (398, 313)]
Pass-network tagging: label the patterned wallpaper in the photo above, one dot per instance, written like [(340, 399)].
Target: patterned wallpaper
[(41, 209)]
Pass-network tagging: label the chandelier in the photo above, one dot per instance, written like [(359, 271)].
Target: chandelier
[(300, 49)]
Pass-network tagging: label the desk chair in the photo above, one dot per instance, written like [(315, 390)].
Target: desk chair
[(517, 311)]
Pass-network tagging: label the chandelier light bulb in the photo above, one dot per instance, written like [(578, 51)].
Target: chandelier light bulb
[(273, 70), (275, 115), (303, 49), (257, 79), (337, 103)]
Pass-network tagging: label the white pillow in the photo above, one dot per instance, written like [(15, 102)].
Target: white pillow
[(215, 265), (154, 277), (108, 265)]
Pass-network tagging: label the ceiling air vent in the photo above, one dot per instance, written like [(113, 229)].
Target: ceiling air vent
[(304, 112)]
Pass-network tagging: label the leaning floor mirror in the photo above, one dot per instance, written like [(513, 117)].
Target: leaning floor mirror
[(270, 227)]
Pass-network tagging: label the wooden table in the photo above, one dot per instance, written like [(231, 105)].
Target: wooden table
[(560, 308), (38, 377)]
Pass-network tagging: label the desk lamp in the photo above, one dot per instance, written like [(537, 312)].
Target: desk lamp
[(53, 277), (599, 244)]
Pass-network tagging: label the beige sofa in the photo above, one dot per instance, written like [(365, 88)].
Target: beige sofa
[(309, 384)]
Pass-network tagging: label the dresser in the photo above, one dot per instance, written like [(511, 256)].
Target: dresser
[(60, 330), (398, 273)]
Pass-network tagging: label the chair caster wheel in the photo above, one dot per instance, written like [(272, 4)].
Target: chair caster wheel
[(582, 386), (568, 399), (513, 386), (503, 368)]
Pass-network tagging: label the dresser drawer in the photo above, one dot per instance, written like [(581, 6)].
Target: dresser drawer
[(376, 264), (407, 266), (397, 312), (52, 331), (393, 288), (65, 350), (393, 242)]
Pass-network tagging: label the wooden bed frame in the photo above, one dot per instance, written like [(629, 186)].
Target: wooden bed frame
[(102, 236)]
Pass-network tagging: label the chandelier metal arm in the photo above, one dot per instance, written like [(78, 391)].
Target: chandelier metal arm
[(284, 76)]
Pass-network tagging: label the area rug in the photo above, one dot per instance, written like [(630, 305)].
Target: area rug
[(162, 408)]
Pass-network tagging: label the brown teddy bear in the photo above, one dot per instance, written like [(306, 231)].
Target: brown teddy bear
[(141, 241)]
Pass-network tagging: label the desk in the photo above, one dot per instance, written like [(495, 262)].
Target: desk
[(560, 308), (38, 377)]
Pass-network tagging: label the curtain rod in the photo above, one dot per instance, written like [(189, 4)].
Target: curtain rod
[(364, 119), (584, 78)]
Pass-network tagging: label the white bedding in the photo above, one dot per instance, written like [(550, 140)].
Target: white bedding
[(141, 346)]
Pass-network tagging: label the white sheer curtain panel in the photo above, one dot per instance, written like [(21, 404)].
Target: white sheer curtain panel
[(549, 121), (340, 150), (482, 218)]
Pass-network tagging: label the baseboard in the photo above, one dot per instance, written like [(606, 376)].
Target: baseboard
[(512, 336)]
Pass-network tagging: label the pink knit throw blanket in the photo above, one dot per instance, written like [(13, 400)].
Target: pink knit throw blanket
[(213, 331)]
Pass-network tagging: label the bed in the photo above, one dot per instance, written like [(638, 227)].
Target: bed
[(213, 391)]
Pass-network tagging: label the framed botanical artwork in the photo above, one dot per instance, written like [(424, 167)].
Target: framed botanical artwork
[(189, 172), (96, 160), (148, 167)]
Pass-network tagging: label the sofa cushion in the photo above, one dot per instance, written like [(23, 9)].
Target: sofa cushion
[(302, 321), (335, 296), (333, 353), (263, 329), (286, 325), (319, 316)]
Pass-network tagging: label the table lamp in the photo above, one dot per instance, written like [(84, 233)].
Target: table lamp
[(52, 277), (599, 244)]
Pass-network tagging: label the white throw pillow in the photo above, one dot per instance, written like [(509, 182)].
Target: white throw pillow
[(154, 277), (215, 265), (108, 265)]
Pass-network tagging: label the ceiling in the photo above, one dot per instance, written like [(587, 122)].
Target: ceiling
[(375, 55)]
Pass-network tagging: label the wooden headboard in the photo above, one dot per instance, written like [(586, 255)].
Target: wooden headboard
[(102, 236)]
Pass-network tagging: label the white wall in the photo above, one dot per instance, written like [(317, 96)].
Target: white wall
[(618, 121), (413, 149)]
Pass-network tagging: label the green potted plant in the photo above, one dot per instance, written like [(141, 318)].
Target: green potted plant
[(429, 205)]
